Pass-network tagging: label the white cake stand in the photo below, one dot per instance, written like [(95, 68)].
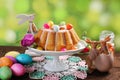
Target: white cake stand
[(56, 65)]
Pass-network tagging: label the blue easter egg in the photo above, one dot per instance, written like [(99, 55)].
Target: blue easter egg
[(24, 59), (56, 28)]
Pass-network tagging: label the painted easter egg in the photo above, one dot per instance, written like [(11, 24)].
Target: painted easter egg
[(5, 73), (63, 49), (39, 48), (18, 69), (56, 28), (50, 23), (46, 26), (62, 23), (4, 61), (24, 59), (69, 26), (12, 53), (12, 58)]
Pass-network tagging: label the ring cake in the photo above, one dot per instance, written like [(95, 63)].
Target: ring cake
[(55, 38)]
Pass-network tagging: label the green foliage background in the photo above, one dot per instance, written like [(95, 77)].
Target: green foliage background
[(92, 16)]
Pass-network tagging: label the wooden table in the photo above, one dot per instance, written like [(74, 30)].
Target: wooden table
[(113, 74)]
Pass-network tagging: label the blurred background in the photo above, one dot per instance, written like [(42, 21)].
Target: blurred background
[(90, 16)]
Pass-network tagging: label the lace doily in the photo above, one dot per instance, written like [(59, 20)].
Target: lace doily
[(77, 69)]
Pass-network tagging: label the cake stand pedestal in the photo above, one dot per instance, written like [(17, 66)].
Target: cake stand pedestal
[(56, 65)]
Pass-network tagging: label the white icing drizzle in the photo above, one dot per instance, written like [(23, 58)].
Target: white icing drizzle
[(64, 38), (40, 38), (70, 40), (50, 30), (42, 34), (47, 40), (55, 40)]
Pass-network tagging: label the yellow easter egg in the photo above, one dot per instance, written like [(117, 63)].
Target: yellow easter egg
[(12, 53), (50, 23), (39, 48)]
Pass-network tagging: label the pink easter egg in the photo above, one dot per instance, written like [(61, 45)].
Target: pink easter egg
[(63, 49), (12, 58), (46, 26), (18, 69)]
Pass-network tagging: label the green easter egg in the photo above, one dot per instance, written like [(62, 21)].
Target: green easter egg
[(5, 73)]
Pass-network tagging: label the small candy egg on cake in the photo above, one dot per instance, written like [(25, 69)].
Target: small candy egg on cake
[(56, 28), (46, 26), (69, 26), (63, 49), (62, 26), (50, 23), (39, 48)]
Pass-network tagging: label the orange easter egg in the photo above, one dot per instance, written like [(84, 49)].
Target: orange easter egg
[(4, 61), (69, 26)]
